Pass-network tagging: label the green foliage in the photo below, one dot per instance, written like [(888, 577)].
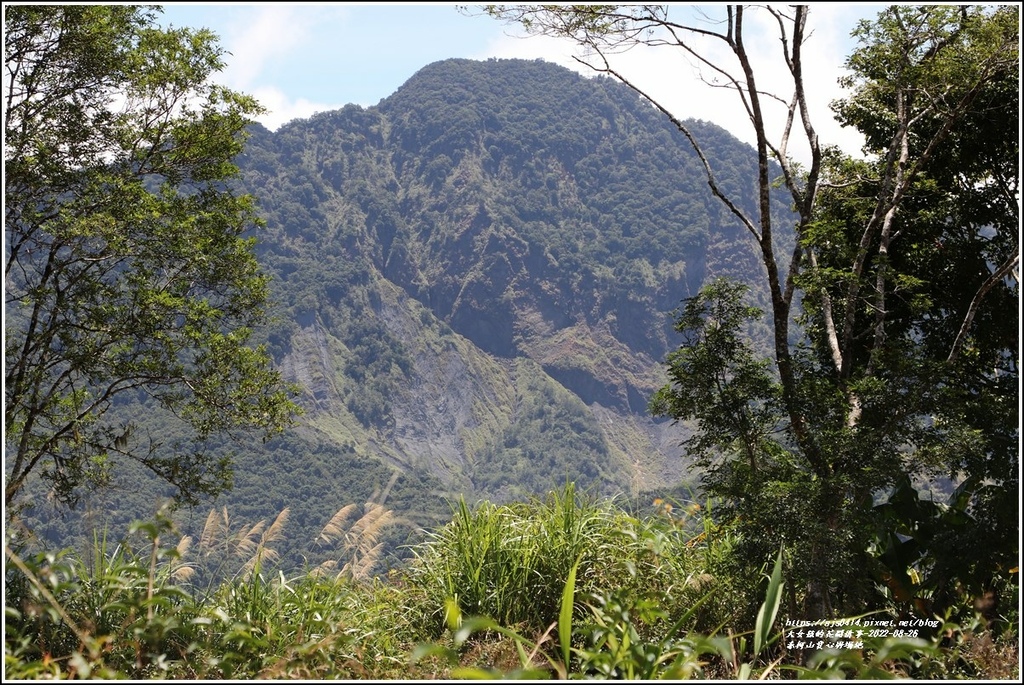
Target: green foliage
[(122, 612), (770, 608), (715, 379), (904, 366), (616, 650), (487, 558), (136, 614), (927, 349), (128, 263), (625, 637), (553, 435), (128, 612), (513, 199)]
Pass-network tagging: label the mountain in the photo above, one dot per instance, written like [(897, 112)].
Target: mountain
[(476, 275), (473, 284)]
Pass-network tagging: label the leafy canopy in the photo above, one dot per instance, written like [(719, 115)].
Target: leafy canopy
[(901, 360), (128, 270)]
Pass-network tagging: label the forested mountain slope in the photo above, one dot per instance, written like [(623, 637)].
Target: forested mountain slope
[(473, 286), (476, 275)]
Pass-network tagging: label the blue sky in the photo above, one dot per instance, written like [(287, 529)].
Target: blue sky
[(327, 55), (300, 58)]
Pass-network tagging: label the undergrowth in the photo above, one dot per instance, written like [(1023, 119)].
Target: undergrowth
[(560, 587)]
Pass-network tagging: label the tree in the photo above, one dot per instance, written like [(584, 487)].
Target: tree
[(918, 247), (871, 324), (129, 275)]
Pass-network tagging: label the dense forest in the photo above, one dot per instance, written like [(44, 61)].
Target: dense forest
[(512, 374)]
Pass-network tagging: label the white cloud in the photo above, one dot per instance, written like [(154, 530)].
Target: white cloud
[(262, 34), (259, 40), (281, 109)]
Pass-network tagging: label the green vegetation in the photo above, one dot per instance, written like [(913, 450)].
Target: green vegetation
[(894, 359), (401, 293), (879, 393), (422, 270), (127, 272), (469, 285), (563, 586), (313, 479), (552, 437)]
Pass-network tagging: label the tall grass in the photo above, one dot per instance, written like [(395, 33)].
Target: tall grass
[(356, 540), (143, 609), (510, 562), (562, 586)]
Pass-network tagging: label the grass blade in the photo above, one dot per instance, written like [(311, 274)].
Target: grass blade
[(565, 613), (766, 615)]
